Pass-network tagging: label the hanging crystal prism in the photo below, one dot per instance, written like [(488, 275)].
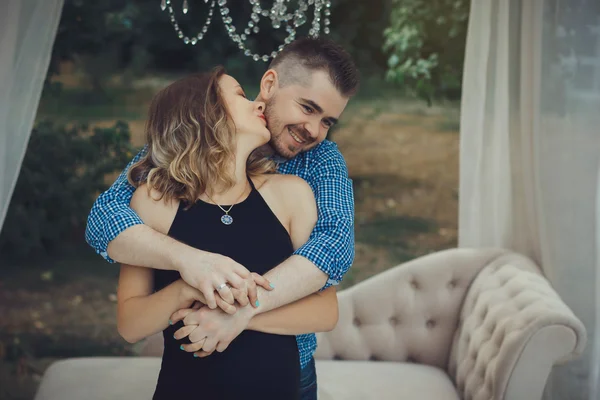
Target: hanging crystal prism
[(278, 14)]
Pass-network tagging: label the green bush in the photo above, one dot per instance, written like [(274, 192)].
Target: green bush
[(63, 171), (426, 44)]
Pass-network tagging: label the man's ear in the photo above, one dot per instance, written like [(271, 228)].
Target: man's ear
[(269, 84)]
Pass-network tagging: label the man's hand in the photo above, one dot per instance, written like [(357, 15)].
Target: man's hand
[(210, 330), (207, 272), (191, 295)]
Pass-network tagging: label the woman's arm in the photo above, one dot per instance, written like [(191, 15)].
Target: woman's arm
[(141, 313)]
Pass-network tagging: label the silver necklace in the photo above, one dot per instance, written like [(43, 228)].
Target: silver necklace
[(226, 218)]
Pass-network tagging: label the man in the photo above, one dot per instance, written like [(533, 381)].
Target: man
[(305, 89)]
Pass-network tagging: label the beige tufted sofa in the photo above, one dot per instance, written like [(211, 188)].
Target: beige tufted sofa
[(457, 324)]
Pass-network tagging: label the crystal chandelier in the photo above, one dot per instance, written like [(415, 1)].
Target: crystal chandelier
[(279, 15)]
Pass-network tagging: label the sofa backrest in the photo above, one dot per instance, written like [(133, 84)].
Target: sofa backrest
[(407, 313)]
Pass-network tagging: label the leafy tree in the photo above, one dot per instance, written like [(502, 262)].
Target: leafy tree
[(426, 44), (94, 34)]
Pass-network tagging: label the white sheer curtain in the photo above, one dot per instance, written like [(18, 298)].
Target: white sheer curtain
[(530, 153), (27, 31)]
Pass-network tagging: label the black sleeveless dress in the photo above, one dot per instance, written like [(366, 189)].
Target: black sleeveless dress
[(255, 365)]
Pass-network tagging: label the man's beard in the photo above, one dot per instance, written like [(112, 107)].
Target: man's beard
[(277, 142), (280, 149)]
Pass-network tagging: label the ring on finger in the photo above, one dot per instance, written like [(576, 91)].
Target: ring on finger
[(221, 286)]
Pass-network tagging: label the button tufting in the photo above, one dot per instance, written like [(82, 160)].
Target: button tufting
[(430, 324)]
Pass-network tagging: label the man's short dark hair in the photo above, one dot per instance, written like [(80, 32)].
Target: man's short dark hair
[(317, 54)]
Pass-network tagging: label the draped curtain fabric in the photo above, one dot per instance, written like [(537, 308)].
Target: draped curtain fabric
[(27, 32), (530, 153)]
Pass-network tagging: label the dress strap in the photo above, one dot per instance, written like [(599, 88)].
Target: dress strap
[(251, 183)]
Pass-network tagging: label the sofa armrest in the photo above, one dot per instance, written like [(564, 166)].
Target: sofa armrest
[(512, 329)]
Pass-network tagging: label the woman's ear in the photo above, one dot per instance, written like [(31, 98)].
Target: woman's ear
[(269, 84)]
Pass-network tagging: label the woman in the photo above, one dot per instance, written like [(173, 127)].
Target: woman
[(201, 183)]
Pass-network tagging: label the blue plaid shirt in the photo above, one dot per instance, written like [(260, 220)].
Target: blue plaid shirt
[(331, 243)]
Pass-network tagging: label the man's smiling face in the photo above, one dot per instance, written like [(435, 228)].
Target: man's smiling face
[(300, 115)]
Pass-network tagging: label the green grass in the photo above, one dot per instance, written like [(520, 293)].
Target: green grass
[(393, 231)]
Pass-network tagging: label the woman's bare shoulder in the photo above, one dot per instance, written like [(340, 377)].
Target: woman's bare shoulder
[(288, 188), (153, 208), (282, 181)]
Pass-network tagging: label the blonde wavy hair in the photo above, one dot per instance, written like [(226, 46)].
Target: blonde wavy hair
[(190, 141)]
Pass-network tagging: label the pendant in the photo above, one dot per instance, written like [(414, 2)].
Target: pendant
[(227, 219)]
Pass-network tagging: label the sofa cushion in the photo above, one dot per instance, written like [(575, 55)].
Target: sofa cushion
[(100, 378), (134, 378), (364, 380)]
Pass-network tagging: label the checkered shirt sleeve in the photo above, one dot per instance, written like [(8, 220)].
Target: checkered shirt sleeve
[(111, 214), (331, 243)]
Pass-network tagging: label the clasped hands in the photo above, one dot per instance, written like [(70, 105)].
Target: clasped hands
[(213, 329)]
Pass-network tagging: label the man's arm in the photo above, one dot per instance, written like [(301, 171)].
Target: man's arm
[(317, 312), (118, 233), (111, 214), (329, 252)]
